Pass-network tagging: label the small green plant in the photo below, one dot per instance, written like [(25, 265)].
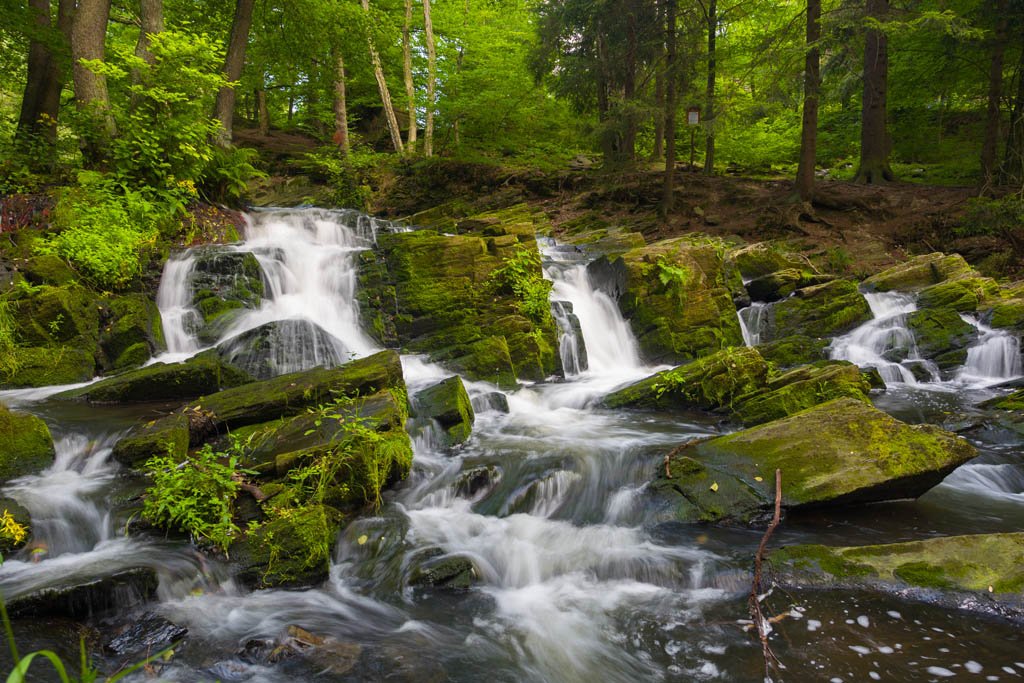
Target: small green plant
[(838, 260), (228, 172), (352, 178), (11, 530), (520, 275), (9, 364), (1002, 217), (195, 495), (675, 278)]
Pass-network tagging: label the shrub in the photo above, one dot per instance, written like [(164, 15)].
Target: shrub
[(352, 178), (520, 275)]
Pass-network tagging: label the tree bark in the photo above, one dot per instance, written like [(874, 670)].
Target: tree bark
[(262, 112), (658, 115), (990, 145), (709, 96), (1013, 160), (668, 188), (410, 86), (224, 110), (812, 86), (88, 35), (874, 137), (428, 130), (340, 106), (627, 145), (385, 93), (151, 18), (36, 134)]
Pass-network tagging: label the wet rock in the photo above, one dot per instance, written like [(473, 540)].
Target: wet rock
[(571, 332), (130, 331), (1008, 313), (41, 366), (992, 564), (47, 269), (802, 388), (920, 272), (171, 433), (281, 347), (223, 283), (292, 550), (26, 446), (794, 350), (90, 597), (449, 404), (840, 452), (148, 634), (445, 571), (203, 374), (762, 258), (475, 480), (494, 400), (711, 383), (964, 294), (57, 316), (820, 311), (782, 283), (920, 369), (942, 336)]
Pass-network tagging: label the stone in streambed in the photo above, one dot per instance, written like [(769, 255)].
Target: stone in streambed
[(942, 336), (223, 284), (782, 283), (821, 311), (840, 452), (130, 331), (802, 388), (763, 258), (283, 346), (920, 272), (794, 350), (26, 446), (449, 404), (965, 294)]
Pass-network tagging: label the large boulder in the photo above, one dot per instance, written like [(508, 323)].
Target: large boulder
[(820, 311), (800, 389), (839, 452), (782, 283), (26, 446), (763, 258), (281, 347), (198, 376), (964, 294), (223, 284), (130, 331), (677, 295), (942, 336), (794, 350), (449, 404), (920, 272), (992, 564), (41, 366)]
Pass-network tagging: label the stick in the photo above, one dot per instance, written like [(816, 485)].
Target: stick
[(770, 660)]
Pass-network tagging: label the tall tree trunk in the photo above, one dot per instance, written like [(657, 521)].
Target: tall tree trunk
[(410, 86), (1013, 161), (874, 135), (385, 93), (658, 115), (428, 130), (990, 146), (709, 95), (668, 188), (88, 34), (627, 147), (36, 134), (812, 86), (224, 110), (151, 18), (262, 112), (340, 106)]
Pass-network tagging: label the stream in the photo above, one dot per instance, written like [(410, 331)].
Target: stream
[(581, 578)]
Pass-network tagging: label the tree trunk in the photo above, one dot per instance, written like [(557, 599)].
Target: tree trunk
[(1013, 161), (262, 112), (668, 189), (340, 106), (385, 93), (812, 85), (88, 34), (709, 95), (428, 130), (410, 89), (874, 137), (627, 146), (990, 146), (658, 114), (224, 110), (151, 18), (36, 134)]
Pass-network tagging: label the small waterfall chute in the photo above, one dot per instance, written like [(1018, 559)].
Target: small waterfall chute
[(994, 359), (752, 319)]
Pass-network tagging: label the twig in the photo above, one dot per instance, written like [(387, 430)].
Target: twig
[(763, 625)]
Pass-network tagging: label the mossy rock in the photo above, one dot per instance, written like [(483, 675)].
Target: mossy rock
[(130, 331), (203, 374), (840, 452), (964, 294), (794, 350), (283, 346), (450, 572), (26, 446), (920, 272), (170, 434), (714, 382), (992, 564), (1007, 314), (223, 284), (1014, 401), (48, 269), (802, 388), (293, 550), (449, 404), (42, 366), (942, 336), (821, 311), (67, 315), (763, 258), (782, 283)]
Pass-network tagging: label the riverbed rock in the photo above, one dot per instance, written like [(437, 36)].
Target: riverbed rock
[(794, 350), (942, 336), (964, 294), (840, 452), (87, 596), (821, 311), (223, 284), (800, 389), (782, 283), (763, 258), (145, 635), (130, 331), (179, 382), (449, 404), (712, 383), (283, 346), (438, 570), (435, 294), (26, 446), (41, 366), (291, 550), (920, 272), (677, 295), (992, 564)]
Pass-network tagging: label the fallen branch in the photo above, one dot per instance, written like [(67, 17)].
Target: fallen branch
[(764, 625)]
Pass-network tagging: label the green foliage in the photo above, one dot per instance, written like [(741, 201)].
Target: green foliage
[(986, 216), (675, 278), (838, 260), (9, 364), (352, 178), (520, 275), (226, 175), (195, 495)]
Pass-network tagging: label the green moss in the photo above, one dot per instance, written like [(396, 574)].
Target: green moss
[(922, 574), (294, 548), (449, 404), (26, 446), (42, 366), (168, 434), (819, 558), (794, 350), (57, 315), (782, 283), (942, 335), (820, 311), (130, 331), (964, 294), (920, 272), (1008, 314), (762, 258), (801, 389)]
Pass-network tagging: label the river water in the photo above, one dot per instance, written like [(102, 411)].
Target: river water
[(581, 578)]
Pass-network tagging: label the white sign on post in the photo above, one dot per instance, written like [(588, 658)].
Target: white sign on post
[(693, 116)]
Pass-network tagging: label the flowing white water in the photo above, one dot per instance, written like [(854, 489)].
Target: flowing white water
[(885, 341), (751, 321), (995, 358), (174, 299)]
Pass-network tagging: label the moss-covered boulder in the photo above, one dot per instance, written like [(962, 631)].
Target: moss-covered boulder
[(198, 376), (449, 404), (677, 295), (800, 389), (819, 311), (963, 294), (283, 346), (41, 366), (1008, 313), (794, 350), (839, 452), (47, 269), (942, 336), (130, 331), (763, 258), (223, 283), (446, 296), (167, 434), (992, 564), (290, 550), (782, 283), (26, 446), (920, 272), (50, 315), (712, 383)]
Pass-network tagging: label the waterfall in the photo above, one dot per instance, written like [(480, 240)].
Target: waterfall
[(751, 321), (885, 341), (174, 299), (571, 348), (995, 358)]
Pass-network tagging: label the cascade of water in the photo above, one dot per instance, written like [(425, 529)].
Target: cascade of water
[(751, 321), (884, 342), (995, 358), (174, 299), (570, 340)]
